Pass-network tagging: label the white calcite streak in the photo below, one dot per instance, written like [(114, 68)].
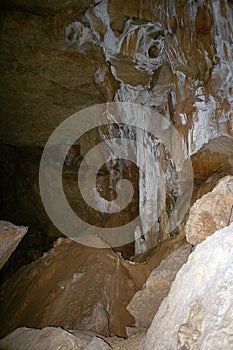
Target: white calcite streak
[(207, 119)]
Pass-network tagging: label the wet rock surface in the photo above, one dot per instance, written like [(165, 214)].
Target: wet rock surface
[(198, 311), (10, 236), (211, 212)]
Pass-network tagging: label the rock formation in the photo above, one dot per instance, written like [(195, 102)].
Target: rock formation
[(10, 236), (198, 311), (145, 303), (51, 338), (174, 57), (211, 212), (57, 59), (75, 287)]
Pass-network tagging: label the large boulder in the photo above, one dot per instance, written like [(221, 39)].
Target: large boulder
[(10, 236), (72, 286), (146, 302), (198, 311), (51, 338), (131, 343), (211, 212)]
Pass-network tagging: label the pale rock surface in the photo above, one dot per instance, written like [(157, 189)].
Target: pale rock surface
[(198, 311), (132, 343), (49, 338), (211, 212), (97, 344), (10, 236), (53, 338), (146, 302)]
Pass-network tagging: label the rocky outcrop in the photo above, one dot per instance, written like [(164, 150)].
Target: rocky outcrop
[(198, 311), (59, 58), (97, 344), (77, 287), (10, 236), (211, 212), (146, 302), (51, 338), (72, 286), (213, 162), (131, 343)]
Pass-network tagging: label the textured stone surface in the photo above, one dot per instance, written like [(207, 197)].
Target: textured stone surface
[(146, 302), (10, 236), (58, 58), (97, 344), (77, 287), (211, 212), (210, 164), (51, 53), (51, 338), (132, 343), (72, 286), (198, 311)]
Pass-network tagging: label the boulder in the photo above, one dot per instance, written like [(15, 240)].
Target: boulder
[(146, 302), (72, 286), (97, 344), (198, 311), (131, 343), (50, 338), (10, 236), (211, 212)]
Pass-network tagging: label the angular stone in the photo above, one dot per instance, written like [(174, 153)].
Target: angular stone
[(210, 164), (72, 286), (132, 343), (198, 311), (97, 344), (211, 212), (49, 338), (146, 302), (10, 236)]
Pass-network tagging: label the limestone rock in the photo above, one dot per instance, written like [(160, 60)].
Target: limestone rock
[(72, 286), (146, 302), (48, 338), (213, 162), (132, 343), (198, 311), (10, 236), (211, 212), (173, 57), (97, 344)]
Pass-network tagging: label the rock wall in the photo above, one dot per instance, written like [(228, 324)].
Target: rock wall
[(173, 56)]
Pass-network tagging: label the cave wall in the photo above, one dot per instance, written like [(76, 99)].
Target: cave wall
[(58, 58)]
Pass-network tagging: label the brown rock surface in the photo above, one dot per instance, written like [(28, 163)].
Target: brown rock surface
[(210, 164), (10, 236), (60, 57), (146, 302), (77, 287), (211, 212), (72, 286)]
